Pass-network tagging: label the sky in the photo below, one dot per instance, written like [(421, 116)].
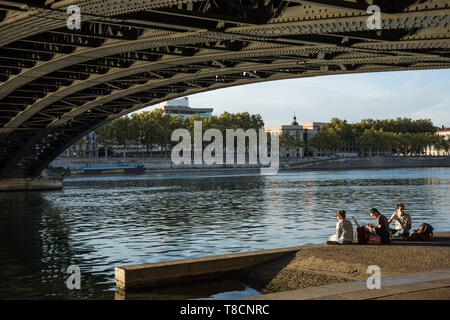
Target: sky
[(387, 95)]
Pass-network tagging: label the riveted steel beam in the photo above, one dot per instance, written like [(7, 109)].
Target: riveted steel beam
[(76, 112), (56, 84), (354, 23), (58, 150)]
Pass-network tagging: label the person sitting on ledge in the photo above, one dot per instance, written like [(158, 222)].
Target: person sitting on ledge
[(402, 222), (344, 230), (382, 227)]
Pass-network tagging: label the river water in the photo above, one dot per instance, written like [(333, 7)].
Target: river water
[(98, 223)]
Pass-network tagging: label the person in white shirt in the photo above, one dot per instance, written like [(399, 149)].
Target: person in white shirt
[(402, 222), (344, 230)]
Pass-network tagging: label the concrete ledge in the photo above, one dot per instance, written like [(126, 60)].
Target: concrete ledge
[(29, 184), (313, 292), (357, 290), (159, 273)]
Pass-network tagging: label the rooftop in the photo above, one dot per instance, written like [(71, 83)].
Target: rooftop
[(184, 108)]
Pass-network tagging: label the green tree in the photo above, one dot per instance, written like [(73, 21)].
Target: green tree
[(146, 129), (375, 140), (420, 142), (80, 143), (105, 136), (399, 125), (326, 139), (441, 143), (125, 133), (290, 141), (343, 129), (163, 129)]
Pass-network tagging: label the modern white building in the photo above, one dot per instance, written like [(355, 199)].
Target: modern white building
[(86, 147), (176, 107)]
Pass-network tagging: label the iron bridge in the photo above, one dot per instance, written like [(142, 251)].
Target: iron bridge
[(57, 82)]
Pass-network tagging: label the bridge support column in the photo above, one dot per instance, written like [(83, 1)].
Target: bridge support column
[(30, 184)]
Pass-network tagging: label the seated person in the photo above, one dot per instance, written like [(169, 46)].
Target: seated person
[(402, 222), (344, 230), (382, 227)]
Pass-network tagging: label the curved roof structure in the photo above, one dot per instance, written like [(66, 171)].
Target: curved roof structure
[(57, 83)]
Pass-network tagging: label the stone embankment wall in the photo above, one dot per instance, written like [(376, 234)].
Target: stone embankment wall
[(151, 165), (309, 163), (30, 184), (373, 162)]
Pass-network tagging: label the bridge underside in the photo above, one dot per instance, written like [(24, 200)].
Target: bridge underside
[(57, 84)]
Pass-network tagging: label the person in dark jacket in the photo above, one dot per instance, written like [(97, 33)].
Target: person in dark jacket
[(381, 228)]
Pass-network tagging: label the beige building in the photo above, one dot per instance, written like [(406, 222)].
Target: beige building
[(304, 130), (432, 151)]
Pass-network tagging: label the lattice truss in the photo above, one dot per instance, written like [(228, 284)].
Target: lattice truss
[(57, 84)]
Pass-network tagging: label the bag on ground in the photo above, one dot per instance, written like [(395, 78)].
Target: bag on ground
[(423, 233), (374, 239), (362, 235)]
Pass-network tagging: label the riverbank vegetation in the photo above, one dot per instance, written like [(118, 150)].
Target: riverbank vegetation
[(153, 129), (404, 136)]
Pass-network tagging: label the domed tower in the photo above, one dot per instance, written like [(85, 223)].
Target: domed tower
[(294, 122)]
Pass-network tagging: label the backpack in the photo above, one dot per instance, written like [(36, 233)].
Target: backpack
[(423, 233), (362, 235)]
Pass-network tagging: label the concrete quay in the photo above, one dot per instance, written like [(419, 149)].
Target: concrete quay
[(30, 184), (344, 163), (304, 163), (178, 271), (409, 269), (418, 286)]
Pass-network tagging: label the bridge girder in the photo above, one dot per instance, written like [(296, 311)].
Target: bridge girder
[(58, 84)]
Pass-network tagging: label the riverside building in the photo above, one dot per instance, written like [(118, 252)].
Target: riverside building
[(177, 107), (433, 151), (305, 131), (87, 147)]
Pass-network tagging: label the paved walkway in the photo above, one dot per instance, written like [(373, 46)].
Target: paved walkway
[(403, 286)]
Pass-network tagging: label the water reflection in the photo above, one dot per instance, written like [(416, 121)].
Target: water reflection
[(223, 289), (103, 222), (37, 248)]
